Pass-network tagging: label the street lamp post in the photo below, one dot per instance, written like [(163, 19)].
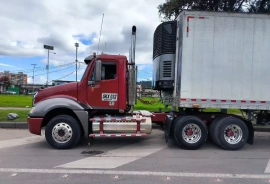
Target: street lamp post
[(76, 45), (33, 75), (47, 67)]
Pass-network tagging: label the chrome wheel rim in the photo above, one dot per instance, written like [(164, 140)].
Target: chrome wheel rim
[(233, 134), (191, 133), (62, 132)]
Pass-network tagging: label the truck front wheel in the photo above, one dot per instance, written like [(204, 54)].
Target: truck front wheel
[(190, 132), (63, 132)]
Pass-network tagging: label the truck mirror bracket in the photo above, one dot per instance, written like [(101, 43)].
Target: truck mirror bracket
[(90, 83)]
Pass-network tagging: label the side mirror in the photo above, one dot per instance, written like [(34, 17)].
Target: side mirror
[(97, 71)]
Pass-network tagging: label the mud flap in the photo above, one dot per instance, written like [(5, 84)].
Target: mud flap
[(167, 127), (251, 132)]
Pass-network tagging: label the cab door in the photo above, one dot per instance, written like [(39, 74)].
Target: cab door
[(104, 94)]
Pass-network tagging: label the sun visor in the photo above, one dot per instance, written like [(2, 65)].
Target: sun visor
[(88, 59)]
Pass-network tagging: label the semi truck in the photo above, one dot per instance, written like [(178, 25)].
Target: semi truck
[(201, 60)]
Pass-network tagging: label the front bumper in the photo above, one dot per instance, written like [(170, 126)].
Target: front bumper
[(34, 125)]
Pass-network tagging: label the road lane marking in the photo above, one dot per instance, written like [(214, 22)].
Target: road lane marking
[(20, 141), (134, 173), (267, 169), (118, 157)]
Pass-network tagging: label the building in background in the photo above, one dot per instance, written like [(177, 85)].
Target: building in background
[(15, 78), (145, 91)]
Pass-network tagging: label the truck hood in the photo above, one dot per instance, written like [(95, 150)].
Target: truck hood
[(68, 90)]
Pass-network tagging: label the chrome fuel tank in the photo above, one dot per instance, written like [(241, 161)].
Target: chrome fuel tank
[(123, 126)]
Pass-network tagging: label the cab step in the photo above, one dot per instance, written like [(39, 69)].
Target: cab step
[(117, 135)]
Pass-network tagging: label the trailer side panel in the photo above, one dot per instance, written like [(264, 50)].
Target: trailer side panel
[(224, 60)]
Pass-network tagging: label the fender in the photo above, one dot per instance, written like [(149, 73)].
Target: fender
[(43, 107)]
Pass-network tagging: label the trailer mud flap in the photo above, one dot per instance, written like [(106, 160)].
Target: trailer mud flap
[(251, 132), (167, 127)]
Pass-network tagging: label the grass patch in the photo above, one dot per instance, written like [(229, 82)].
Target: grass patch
[(15, 100), (23, 114), (229, 111), (150, 107), (26, 100)]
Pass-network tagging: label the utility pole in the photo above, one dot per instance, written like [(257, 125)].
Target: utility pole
[(76, 45), (47, 67), (33, 75)]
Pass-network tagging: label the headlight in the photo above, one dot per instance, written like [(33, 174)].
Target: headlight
[(32, 110)]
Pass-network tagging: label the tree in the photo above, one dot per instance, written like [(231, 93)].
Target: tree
[(171, 9)]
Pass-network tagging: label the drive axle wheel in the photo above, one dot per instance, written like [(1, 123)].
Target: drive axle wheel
[(232, 133), (63, 132), (190, 132), (212, 129)]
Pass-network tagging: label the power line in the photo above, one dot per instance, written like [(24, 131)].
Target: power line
[(67, 74), (54, 71), (50, 72), (29, 70)]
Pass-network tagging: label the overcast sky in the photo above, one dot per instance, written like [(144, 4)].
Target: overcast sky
[(26, 25)]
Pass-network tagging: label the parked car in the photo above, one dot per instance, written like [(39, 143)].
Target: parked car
[(11, 92), (32, 93)]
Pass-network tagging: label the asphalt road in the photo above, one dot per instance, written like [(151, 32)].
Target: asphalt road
[(26, 159)]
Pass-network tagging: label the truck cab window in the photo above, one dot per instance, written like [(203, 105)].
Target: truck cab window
[(92, 78), (108, 70)]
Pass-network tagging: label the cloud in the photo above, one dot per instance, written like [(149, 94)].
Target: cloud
[(85, 39), (145, 67), (37, 80), (2, 64), (30, 24)]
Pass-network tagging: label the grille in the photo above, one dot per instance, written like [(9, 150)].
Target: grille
[(167, 68), (164, 39)]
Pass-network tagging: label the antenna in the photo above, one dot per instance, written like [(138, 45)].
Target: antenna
[(105, 48), (100, 33)]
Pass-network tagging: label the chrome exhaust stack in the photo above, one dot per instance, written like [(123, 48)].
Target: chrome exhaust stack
[(132, 73)]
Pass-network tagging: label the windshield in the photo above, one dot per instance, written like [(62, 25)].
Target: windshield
[(85, 71)]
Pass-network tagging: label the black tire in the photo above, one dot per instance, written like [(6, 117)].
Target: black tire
[(212, 129), (70, 123), (219, 133), (180, 125), (179, 119)]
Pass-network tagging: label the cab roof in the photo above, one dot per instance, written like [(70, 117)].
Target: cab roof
[(88, 59)]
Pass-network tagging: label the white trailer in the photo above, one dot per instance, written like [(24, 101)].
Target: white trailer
[(221, 60)]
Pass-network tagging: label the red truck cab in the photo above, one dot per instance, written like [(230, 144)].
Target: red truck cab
[(108, 93), (101, 104)]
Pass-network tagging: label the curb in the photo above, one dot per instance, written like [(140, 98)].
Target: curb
[(18, 125)]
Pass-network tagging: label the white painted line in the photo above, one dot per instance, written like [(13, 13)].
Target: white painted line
[(98, 162), (118, 157), (20, 141), (267, 169), (135, 173), (14, 174)]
